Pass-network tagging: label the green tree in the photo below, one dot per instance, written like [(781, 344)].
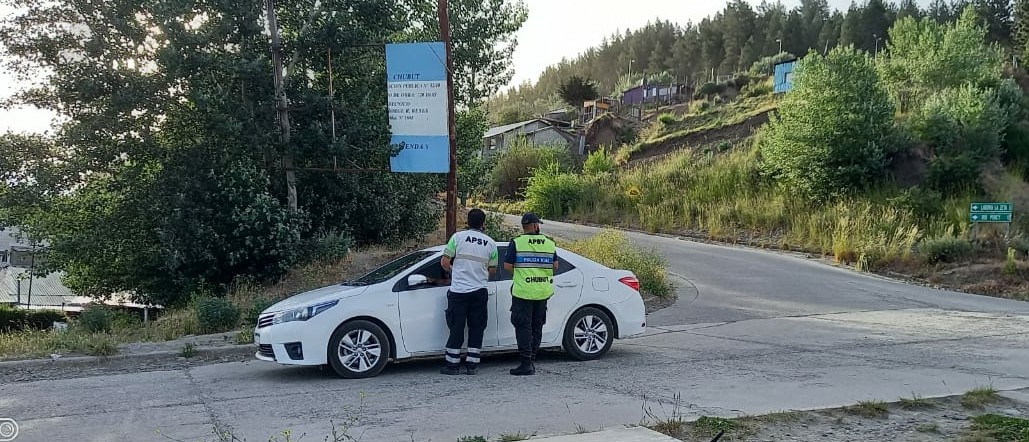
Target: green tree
[(1020, 27), (830, 141), (575, 90), (166, 176), (926, 56)]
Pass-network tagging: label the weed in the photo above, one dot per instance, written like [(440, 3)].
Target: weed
[(931, 427), (188, 351), (783, 416), (872, 409), (513, 437), (915, 402), (217, 314), (673, 425), (1002, 428), (472, 439), (1010, 263), (102, 344), (580, 429), (245, 337), (980, 397)]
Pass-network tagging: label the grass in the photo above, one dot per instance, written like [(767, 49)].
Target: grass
[(915, 402), (1002, 428), (188, 351), (930, 427), (513, 437), (980, 397), (871, 409)]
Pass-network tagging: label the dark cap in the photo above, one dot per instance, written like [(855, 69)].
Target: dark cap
[(530, 218)]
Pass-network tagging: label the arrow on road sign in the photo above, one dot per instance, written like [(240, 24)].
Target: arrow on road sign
[(975, 217), (975, 207)]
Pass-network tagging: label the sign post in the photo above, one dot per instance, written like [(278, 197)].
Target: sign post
[(991, 213), (420, 90)]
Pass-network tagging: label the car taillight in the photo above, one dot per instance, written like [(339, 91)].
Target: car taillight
[(631, 281)]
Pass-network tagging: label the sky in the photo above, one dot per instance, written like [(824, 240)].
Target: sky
[(554, 29)]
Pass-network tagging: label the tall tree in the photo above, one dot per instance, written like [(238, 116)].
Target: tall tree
[(576, 90), (1020, 27), (997, 16)]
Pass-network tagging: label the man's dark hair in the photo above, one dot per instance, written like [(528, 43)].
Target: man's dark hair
[(476, 219)]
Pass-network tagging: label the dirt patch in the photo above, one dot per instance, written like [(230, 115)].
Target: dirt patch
[(913, 419), (732, 133)]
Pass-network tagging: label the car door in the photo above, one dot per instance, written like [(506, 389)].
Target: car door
[(423, 308), (568, 282)]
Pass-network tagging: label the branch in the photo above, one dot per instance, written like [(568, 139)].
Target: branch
[(296, 51)]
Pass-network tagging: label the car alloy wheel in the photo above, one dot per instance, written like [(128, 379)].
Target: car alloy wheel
[(358, 349), (588, 334)]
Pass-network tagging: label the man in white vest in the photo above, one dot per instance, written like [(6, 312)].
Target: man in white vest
[(471, 257)]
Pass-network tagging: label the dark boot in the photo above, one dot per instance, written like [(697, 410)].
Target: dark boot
[(524, 369), (450, 369), (471, 368)]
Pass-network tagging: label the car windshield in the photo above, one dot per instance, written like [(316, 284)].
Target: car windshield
[(389, 270)]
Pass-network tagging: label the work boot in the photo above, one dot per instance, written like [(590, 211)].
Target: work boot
[(471, 369), (450, 369), (524, 369)]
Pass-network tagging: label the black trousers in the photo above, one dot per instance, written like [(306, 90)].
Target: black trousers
[(528, 318), (465, 309)]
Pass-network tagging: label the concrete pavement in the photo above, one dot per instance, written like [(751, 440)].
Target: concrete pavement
[(753, 332)]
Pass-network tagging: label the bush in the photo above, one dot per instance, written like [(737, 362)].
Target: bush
[(330, 247), (757, 90), (765, 65), (818, 144), (515, 166), (740, 81), (953, 173), (706, 90), (552, 193), (599, 162), (614, 249), (217, 315), (1016, 144), (667, 119), (947, 249), (97, 318), (499, 231)]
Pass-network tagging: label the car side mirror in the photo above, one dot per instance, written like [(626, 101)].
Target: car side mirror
[(417, 280)]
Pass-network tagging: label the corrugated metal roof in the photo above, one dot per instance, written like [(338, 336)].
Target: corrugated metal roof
[(494, 131), (48, 290)]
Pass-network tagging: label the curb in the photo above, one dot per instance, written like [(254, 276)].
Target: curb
[(210, 352)]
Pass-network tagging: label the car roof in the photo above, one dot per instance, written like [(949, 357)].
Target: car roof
[(576, 258)]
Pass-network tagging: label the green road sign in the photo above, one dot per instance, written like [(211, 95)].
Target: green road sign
[(991, 217), (991, 207)]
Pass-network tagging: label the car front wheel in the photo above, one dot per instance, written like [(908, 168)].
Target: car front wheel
[(588, 334), (358, 349)]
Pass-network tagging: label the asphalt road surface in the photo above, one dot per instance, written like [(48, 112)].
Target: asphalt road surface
[(752, 332)]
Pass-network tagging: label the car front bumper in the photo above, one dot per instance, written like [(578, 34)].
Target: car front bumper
[(291, 343)]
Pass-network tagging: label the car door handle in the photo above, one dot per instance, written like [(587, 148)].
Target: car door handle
[(566, 284)]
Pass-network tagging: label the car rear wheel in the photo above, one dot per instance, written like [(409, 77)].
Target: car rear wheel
[(588, 334), (358, 349)]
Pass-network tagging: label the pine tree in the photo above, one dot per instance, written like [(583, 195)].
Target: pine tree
[(1021, 26)]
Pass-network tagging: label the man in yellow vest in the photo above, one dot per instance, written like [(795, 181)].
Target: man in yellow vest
[(532, 258)]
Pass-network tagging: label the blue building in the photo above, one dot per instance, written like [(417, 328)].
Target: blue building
[(784, 76)]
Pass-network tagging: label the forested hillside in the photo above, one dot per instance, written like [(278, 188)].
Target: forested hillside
[(734, 40)]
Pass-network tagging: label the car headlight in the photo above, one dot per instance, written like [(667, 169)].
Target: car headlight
[(303, 313)]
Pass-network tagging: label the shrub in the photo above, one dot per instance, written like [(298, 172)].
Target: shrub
[(598, 162), (740, 81), (818, 143), (953, 173), (947, 249), (614, 249), (552, 193), (96, 318), (1016, 144), (706, 90), (765, 65), (515, 166), (217, 315), (330, 246), (499, 231), (757, 90), (667, 119)]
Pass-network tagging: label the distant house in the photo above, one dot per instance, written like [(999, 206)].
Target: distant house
[(594, 108), (558, 115), (784, 75), (536, 131), (652, 93), (20, 290)]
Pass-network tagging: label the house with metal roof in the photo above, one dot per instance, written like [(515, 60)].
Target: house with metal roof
[(540, 131)]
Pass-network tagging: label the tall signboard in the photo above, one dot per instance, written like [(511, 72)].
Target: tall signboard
[(418, 106)]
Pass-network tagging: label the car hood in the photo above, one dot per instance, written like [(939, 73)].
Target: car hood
[(315, 296)]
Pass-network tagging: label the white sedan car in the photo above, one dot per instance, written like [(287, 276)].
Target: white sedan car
[(396, 312)]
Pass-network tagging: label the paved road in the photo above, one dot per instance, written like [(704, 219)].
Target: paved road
[(752, 332)]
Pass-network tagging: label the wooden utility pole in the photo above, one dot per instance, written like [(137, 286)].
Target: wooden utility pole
[(444, 26), (282, 108)]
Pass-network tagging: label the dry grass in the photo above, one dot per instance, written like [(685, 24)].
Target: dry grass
[(980, 397)]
